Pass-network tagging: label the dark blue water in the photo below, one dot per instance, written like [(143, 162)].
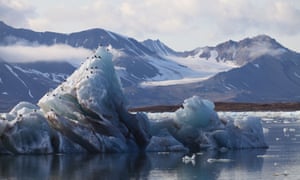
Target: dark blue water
[(280, 161)]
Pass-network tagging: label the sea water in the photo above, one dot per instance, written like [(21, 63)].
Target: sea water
[(280, 161)]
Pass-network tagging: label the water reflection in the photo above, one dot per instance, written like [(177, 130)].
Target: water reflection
[(125, 166), (281, 160)]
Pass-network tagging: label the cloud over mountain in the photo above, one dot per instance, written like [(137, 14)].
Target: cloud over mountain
[(181, 24), (57, 52)]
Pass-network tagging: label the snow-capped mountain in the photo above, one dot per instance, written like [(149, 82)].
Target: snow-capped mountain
[(267, 78), (244, 51), (160, 48), (257, 69), (224, 72), (134, 61), (29, 81)]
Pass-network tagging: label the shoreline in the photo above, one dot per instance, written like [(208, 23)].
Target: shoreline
[(227, 106)]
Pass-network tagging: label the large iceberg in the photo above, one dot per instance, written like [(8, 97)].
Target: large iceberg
[(88, 113)]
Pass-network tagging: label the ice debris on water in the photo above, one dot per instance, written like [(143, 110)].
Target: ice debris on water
[(189, 159), (213, 160), (88, 113)]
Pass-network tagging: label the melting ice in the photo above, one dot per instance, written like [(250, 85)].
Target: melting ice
[(88, 113), (197, 126)]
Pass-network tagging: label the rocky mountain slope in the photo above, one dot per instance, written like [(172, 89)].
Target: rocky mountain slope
[(257, 69)]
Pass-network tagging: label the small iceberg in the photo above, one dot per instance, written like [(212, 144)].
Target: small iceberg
[(187, 159), (212, 160)]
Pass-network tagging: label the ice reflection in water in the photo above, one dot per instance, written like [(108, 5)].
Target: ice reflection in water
[(281, 161), (125, 166)]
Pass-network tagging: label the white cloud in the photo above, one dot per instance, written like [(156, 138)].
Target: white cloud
[(16, 12), (58, 52), (270, 15)]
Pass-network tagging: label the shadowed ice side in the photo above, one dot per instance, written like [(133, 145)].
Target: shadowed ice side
[(88, 113)]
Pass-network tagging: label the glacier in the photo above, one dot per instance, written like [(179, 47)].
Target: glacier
[(88, 113)]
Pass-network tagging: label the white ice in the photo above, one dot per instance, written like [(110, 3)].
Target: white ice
[(197, 126)]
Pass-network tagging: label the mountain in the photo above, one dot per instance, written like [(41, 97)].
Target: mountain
[(256, 69), (134, 61), (246, 50), (266, 79), (265, 72), (29, 81), (160, 48)]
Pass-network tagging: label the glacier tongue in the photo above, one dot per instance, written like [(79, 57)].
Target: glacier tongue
[(88, 113)]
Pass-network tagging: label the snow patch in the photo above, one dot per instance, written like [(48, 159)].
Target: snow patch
[(296, 74), (213, 55), (30, 94), (256, 65), (56, 77), (172, 82), (111, 35), (16, 75), (204, 67)]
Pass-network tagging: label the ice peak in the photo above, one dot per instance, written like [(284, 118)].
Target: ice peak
[(93, 99), (94, 86)]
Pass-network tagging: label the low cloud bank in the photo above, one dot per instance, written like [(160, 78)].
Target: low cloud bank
[(32, 53)]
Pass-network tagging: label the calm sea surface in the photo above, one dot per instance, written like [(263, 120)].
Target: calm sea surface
[(280, 161)]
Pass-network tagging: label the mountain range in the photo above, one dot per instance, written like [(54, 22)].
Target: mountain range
[(257, 69)]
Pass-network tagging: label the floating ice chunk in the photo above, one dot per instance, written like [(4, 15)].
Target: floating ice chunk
[(29, 133), (187, 159), (198, 113), (212, 160), (197, 126), (165, 142), (241, 133), (268, 156), (266, 130)]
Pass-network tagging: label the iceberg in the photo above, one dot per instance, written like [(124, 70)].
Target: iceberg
[(197, 126), (88, 114)]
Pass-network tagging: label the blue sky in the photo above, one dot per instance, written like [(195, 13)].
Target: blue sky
[(181, 24)]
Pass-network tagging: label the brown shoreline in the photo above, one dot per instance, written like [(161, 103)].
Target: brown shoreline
[(227, 106)]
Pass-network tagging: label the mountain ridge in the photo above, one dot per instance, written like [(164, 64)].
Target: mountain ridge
[(220, 73)]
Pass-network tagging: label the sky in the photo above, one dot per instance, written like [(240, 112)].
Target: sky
[(180, 24)]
